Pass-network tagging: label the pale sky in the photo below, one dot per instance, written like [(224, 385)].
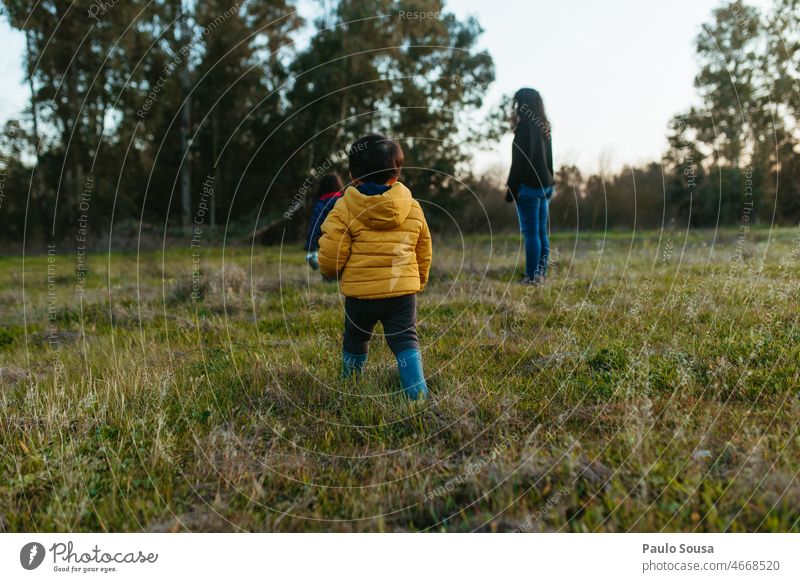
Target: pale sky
[(611, 73)]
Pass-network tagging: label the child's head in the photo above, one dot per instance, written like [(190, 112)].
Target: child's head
[(329, 183), (375, 158)]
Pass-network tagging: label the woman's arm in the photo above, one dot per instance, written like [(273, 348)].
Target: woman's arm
[(520, 155)]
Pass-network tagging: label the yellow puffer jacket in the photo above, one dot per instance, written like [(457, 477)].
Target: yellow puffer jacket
[(379, 245)]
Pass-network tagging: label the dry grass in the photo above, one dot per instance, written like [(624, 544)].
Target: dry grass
[(652, 384)]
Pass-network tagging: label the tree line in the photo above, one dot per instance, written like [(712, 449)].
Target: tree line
[(171, 116), (732, 158)]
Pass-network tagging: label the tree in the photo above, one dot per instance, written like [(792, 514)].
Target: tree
[(237, 96), (733, 135), (372, 68)]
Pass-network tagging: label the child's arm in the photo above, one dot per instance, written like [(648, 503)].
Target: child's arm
[(424, 253), (334, 245), (313, 229)]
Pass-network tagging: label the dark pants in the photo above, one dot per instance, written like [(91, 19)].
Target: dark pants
[(399, 318), (533, 221)]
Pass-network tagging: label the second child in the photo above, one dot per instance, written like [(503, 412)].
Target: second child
[(328, 192)]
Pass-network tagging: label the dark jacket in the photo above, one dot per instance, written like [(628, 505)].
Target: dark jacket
[(531, 158), (320, 212)]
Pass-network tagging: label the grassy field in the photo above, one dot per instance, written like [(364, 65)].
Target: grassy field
[(652, 384)]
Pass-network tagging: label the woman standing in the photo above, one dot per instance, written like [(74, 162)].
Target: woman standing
[(530, 182)]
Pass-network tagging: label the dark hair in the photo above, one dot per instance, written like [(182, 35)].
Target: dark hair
[(530, 108), (329, 183), (375, 158)]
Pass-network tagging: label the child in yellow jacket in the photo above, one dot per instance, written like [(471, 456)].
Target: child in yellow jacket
[(377, 243)]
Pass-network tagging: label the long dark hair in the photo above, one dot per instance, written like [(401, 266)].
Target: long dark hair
[(329, 183), (529, 108)]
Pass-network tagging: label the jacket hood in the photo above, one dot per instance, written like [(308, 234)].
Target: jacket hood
[(380, 211)]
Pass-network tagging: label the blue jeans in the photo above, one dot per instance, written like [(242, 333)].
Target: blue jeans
[(533, 222)]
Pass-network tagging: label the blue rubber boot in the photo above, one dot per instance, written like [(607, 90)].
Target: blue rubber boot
[(409, 365), (352, 364)]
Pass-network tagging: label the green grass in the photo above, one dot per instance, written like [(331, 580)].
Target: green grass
[(652, 384)]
